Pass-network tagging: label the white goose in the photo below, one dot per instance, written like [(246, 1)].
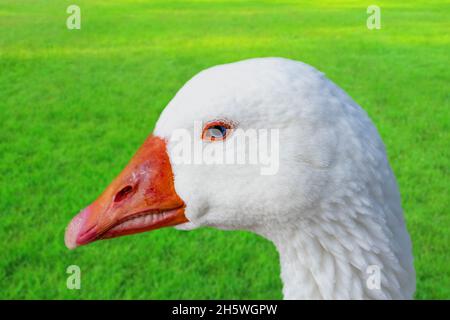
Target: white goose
[(332, 209)]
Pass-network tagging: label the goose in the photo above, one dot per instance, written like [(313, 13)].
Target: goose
[(332, 207)]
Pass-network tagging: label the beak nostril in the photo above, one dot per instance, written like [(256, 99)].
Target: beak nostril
[(123, 193)]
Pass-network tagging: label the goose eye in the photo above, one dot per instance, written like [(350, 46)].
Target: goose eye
[(216, 131)]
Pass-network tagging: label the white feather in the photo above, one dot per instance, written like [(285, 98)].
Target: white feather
[(333, 208)]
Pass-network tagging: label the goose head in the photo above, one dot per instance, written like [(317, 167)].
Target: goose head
[(319, 185)]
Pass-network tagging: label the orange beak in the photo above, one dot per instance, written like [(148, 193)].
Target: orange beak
[(141, 198)]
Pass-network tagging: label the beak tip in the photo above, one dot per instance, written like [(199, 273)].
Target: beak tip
[(70, 245), (70, 241), (70, 237), (74, 229)]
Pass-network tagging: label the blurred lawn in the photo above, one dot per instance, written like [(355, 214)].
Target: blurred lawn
[(75, 105)]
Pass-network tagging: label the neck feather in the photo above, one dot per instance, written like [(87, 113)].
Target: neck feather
[(360, 256)]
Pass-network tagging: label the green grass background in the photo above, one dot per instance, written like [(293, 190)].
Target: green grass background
[(76, 104)]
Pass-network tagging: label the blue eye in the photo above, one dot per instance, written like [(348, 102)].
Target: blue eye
[(215, 131)]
